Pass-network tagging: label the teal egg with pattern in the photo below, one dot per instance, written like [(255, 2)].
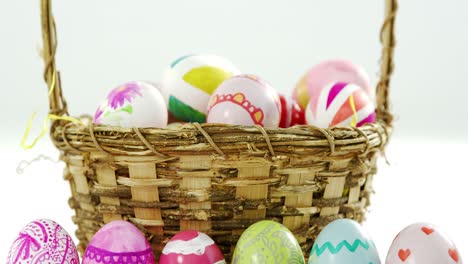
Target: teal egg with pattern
[(190, 80), (267, 242), (344, 241)]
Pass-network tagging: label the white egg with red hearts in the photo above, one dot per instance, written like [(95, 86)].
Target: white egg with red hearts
[(245, 100), (422, 243)]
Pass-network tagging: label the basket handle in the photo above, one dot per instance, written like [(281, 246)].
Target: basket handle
[(58, 105), (387, 39)]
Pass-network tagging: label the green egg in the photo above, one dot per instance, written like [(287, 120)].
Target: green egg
[(268, 242)]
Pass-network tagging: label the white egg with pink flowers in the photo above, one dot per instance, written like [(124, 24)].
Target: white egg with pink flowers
[(133, 104), (245, 100)]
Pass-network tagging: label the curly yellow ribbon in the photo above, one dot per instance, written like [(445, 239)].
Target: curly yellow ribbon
[(23, 143)]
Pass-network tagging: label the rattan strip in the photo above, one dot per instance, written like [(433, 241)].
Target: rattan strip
[(147, 144), (209, 139), (222, 139)]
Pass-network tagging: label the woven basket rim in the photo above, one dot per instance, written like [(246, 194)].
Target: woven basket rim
[(87, 137)]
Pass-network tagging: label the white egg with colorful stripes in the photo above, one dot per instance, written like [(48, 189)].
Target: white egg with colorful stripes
[(189, 82), (341, 104)]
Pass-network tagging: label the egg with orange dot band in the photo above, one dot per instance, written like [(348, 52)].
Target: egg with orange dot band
[(189, 81), (245, 100), (341, 104)]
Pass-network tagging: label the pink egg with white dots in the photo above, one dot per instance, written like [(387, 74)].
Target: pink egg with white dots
[(245, 100), (118, 242), (191, 247)]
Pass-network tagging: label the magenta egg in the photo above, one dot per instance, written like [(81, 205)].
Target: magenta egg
[(43, 242), (191, 247), (118, 242), (245, 100)]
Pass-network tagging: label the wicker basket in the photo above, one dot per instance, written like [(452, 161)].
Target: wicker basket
[(218, 179)]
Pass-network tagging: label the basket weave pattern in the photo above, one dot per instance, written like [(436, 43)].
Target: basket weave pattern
[(214, 178)]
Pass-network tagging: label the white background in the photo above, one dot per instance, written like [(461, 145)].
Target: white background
[(103, 43)]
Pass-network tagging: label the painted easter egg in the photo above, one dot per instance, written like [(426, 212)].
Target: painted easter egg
[(133, 104), (118, 242), (43, 242), (245, 100), (189, 82), (291, 113), (338, 70), (170, 117), (156, 85), (343, 241), (267, 242), (422, 243), (341, 104), (191, 247)]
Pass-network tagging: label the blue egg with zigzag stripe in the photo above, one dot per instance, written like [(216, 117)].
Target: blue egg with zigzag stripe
[(344, 241)]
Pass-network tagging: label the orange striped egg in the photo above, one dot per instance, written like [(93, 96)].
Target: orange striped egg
[(341, 104)]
